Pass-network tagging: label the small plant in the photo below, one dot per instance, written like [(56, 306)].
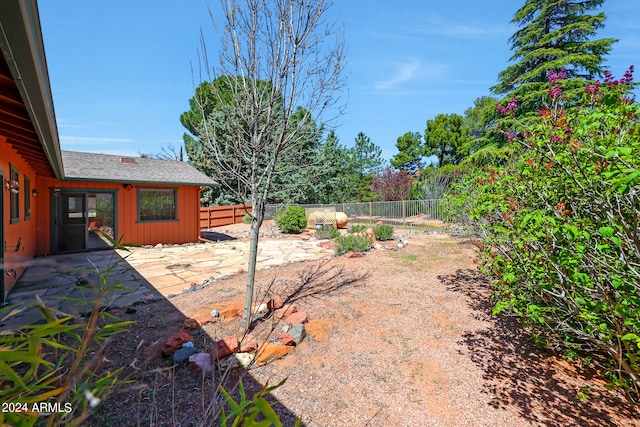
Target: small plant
[(327, 232), (291, 220), (246, 219), (357, 228), (352, 242), (245, 412), (383, 232)]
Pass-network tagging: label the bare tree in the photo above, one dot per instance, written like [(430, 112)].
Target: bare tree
[(282, 64)]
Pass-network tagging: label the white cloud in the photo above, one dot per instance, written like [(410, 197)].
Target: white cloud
[(411, 70), (435, 25)]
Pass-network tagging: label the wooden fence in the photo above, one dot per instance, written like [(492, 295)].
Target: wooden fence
[(216, 216)]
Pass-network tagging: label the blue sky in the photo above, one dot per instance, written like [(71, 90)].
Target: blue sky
[(120, 71)]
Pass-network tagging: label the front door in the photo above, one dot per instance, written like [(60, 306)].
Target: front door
[(72, 222)]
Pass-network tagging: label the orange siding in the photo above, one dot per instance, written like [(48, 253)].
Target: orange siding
[(185, 229), (25, 230)]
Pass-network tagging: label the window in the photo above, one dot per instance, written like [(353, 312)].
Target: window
[(27, 198), (14, 198), (157, 204)]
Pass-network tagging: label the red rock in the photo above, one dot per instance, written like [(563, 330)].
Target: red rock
[(297, 318), (369, 232), (249, 344), (224, 347), (232, 310), (285, 311), (351, 254), (286, 339), (200, 363), (275, 303), (379, 223), (191, 324), (327, 244), (174, 343), (270, 351)]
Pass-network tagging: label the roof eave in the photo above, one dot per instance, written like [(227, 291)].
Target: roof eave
[(141, 182), (22, 44)]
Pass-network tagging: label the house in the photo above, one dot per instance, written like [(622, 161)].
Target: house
[(56, 201)]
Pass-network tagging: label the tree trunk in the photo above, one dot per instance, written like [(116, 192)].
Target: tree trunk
[(256, 222)]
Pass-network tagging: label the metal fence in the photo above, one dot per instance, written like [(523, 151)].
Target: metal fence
[(426, 213)]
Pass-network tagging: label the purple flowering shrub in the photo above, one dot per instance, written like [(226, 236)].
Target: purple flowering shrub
[(560, 226)]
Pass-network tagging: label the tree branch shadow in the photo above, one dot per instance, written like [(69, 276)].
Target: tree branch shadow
[(537, 382)]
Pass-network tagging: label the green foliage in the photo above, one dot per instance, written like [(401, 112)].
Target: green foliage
[(560, 226), (33, 357), (357, 228), (327, 232), (411, 150), (553, 35), (383, 232), (257, 412), (353, 243), (447, 138), (291, 219)]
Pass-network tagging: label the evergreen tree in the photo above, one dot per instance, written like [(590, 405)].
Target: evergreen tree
[(410, 157), (447, 138), (553, 35), (366, 161)]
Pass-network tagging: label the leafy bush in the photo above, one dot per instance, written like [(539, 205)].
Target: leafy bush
[(35, 356), (292, 219), (327, 232), (383, 232), (352, 242), (560, 226), (357, 228), (247, 218)]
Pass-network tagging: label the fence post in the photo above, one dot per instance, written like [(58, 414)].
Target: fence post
[(404, 212), (370, 214)]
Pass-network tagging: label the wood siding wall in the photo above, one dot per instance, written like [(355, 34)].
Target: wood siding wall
[(216, 216), (24, 231), (184, 230)]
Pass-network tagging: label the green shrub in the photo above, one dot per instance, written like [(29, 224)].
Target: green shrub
[(246, 219), (327, 232), (352, 242), (560, 225), (383, 232), (357, 228), (292, 219)]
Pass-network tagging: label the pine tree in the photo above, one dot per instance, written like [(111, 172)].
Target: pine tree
[(553, 35)]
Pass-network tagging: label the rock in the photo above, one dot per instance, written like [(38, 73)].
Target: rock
[(378, 224), (286, 311), (175, 343), (275, 303), (130, 310), (232, 310), (270, 351), (191, 324), (249, 344), (296, 318), (224, 347), (200, 363), (237, 360), (215, 313), (183, 354), (377, 246), (298, 332), (400, 246), (240, 270), (261, 309), (327, 244), (352, 254), (341, 220), (158, 246), (369, 232), (286, 339)]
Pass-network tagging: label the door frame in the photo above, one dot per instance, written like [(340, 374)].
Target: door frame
[(56, 211), (3, 244)]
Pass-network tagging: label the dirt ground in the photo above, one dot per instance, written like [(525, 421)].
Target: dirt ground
[(400, 337)]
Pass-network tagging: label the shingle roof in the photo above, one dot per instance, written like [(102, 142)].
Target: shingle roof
[(80, 166)]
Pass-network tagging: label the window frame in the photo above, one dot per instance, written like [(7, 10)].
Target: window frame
[(27, 197), (140, 194), (14, 198)]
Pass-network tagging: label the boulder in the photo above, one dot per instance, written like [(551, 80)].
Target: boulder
[(296, 318), (298, 332), (175, 343), (341, 220), (270, 351), (286, 311), (224, 347)]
